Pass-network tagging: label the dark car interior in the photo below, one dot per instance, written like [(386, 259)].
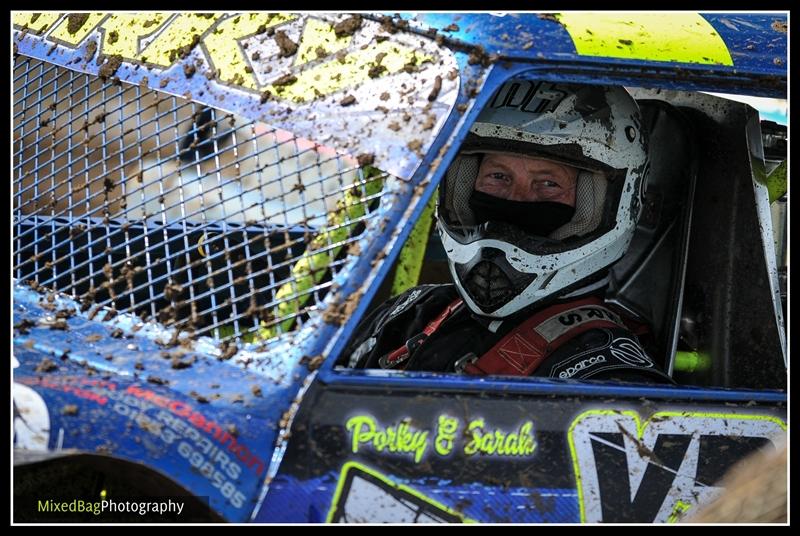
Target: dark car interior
[(695, 271)]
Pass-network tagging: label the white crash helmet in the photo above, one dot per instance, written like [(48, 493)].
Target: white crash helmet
[(499, 269)]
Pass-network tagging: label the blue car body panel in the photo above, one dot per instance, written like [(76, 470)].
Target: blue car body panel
[(120, 395)]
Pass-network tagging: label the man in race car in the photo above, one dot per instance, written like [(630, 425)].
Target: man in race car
[(543, 197)]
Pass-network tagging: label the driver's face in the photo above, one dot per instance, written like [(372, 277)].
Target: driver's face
[(523, 178)]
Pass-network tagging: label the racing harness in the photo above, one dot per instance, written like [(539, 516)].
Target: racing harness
[(526, 346)]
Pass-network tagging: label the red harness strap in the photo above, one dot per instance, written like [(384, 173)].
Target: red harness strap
[(400, 355), (526, 346)]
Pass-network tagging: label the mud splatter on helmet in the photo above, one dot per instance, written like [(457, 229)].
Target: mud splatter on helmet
[(498, 268)]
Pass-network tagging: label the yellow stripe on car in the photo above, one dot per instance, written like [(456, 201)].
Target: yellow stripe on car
[(319, 37), (225, 49), (35, 22), (324, 64), (673, 37), (355, 68), (66, 32), (181, 33), (129, 30)]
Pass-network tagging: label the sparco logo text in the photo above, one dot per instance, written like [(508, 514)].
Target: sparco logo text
[(586, 363)]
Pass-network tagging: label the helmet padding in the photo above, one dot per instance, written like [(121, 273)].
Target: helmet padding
[(590, 196), (460, 182)]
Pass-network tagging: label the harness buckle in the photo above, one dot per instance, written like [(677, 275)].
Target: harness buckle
[(468, 359), (415, 342)]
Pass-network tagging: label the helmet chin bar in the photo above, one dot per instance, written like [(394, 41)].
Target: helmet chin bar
[(490, 281), (547, 274)]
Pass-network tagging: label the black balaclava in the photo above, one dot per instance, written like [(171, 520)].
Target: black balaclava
[(538, 218)]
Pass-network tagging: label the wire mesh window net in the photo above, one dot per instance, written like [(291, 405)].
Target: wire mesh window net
[(138, 201)]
